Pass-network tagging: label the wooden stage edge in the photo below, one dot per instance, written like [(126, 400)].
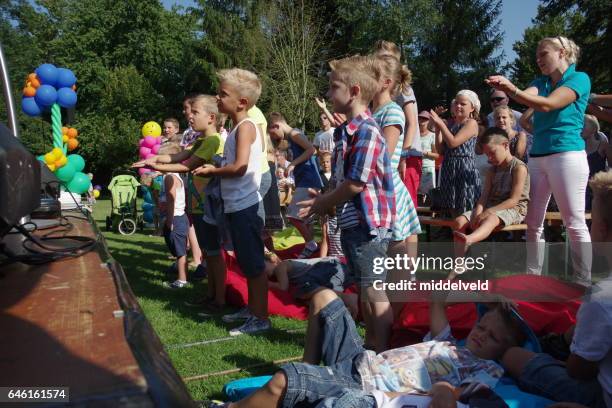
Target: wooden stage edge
[(76, 323)]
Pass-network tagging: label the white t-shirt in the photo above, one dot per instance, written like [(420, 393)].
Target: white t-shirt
[(427, 142), (593, 334), (324, 140), (517, 118), (179, 192), (242, 192)]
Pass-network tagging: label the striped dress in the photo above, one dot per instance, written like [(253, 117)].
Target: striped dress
[(406, 218)]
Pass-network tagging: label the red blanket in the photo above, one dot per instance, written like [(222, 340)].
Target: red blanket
[(554, 311)]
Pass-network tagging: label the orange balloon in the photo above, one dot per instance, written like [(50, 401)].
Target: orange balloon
[(64, 130), (35, 82), (72, 144), (74, 87), (29, 91), (72, 133), (32, 76)]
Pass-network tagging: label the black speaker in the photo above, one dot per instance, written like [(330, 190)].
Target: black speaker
[(19, 180)]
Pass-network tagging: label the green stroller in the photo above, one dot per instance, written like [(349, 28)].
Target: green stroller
[(124, 213)]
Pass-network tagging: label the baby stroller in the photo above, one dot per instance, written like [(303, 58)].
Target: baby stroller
[(124, 214)]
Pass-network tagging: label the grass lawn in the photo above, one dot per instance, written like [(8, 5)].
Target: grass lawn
[(144, 259)]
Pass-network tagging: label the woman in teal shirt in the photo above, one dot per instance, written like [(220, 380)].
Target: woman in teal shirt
[(557, 161)]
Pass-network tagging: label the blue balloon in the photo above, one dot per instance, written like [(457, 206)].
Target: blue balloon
[(65, 78), (46, 95), (47, 73), (66, 97), (77, 161), (30, 107)]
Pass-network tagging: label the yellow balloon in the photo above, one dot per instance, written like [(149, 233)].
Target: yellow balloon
[(64, 138), (151, 129), (49, 158), (62, 161), (51, 167), (57, 153), (96, 193)]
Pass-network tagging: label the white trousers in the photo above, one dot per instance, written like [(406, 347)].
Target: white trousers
[(565, 175)]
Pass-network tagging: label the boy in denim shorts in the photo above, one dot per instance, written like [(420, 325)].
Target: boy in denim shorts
[(362, 189)]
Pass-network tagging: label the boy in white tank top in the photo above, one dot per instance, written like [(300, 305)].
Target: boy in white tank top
[(176, 225), (240, 180)]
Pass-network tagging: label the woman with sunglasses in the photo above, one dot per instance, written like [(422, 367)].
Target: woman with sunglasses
[(557, 162)]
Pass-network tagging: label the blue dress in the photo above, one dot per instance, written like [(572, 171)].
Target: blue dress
[(460, 184)]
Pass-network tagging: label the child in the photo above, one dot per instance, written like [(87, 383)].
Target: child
[(176, 225), (240, 175), (519, 141), (586, 376), (504, 198), (363, 187), (203, 113), (596, 147), (428, 147), (170, 131), (437, 366), (459, 180), (305, 174), (330, 242)]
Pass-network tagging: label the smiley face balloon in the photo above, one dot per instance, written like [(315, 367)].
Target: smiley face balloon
[(151, 129)]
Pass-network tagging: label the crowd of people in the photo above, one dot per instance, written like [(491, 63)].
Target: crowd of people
[(375, 158)]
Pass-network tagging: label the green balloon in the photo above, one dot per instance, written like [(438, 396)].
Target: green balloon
[(66, 172), (79, 184), (77, 161), (41, 158)]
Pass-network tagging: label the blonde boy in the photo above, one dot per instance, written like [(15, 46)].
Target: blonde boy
[(240, 175), (363, 188)]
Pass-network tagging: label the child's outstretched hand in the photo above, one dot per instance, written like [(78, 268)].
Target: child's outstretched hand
[(203, 170), (320, 103), (312, 206), (501, 83), (435, 119)]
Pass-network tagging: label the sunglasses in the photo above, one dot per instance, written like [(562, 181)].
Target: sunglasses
[(498, 99)]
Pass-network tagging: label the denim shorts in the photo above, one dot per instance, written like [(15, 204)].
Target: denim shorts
[(208, 235), (360, 248), (341, 348), (308, 275), (245, 228), (544, 375), (176, 240)]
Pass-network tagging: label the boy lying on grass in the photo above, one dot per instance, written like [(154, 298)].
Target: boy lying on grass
[(438, 367)]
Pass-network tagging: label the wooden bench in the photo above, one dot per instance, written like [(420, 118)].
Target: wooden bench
[(449, 222)]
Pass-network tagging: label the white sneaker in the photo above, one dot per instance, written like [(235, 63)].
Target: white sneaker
[(242, 314), (252, 325)]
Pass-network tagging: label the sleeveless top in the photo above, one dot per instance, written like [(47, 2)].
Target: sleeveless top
[(305, 174), (242, 192), (501, 186), (179, 199)]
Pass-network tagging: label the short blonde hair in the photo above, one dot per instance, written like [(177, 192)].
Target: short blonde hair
[(506, 108), (276, 117), (601, 185), (174, 121), (390, 67), (246, 83), (358, 70), (383, 48), (572, 51), (593, 123)]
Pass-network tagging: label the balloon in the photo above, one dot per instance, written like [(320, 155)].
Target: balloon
[(34, 82), (96, 193), (149, 156), (144, 151), (149, 141), (30, 107), (46, 95), (65, 78), (98, 187), (151, 129), (47, 73), (64, 130), (155, 149), (141, 142), (29, 91), (72, 133), (143, 170), (79, 184), (49, 158), (65, 173), (41, 158), (61, 162), (51, 167), (72, 144), (66, 97), (77, 161), (158, 140), (57, 153)]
